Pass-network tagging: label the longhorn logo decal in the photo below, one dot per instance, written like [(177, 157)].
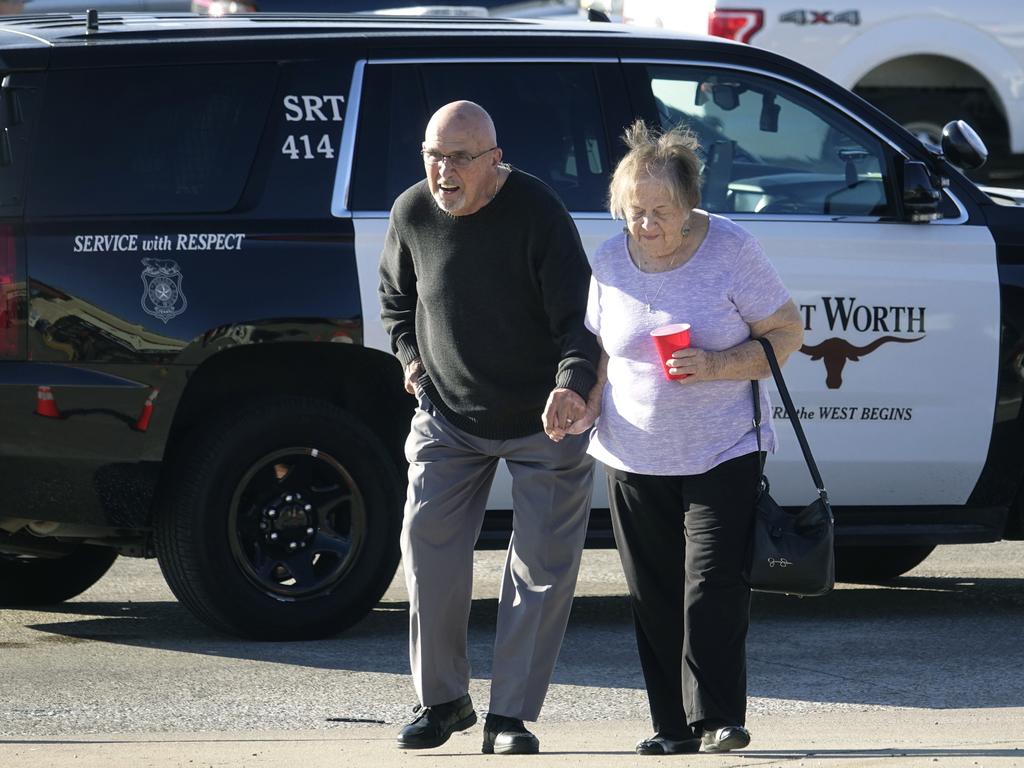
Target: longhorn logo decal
[(836, 352)]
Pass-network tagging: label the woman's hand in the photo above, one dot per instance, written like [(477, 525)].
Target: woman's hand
[(746, 360), (592, 411), (696, 364)]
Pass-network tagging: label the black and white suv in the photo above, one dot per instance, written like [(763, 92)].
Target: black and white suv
[(191, 360)]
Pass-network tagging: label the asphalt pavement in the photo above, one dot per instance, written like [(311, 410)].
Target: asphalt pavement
[(928, 670)]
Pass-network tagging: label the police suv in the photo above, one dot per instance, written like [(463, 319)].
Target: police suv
[(192, 366)]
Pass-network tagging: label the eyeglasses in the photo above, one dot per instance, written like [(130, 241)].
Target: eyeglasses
[(455, 159)]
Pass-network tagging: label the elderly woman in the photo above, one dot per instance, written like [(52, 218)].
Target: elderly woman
[(681, 454)]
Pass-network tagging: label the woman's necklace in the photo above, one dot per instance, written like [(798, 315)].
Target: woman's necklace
[(649, 301)]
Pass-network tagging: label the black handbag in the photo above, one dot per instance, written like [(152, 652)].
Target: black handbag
[(791, 552)]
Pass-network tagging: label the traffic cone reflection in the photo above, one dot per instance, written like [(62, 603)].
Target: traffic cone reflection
[(45, 404), (147, 411)]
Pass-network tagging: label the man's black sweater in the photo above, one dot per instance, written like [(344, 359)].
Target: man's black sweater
[(492, 303)]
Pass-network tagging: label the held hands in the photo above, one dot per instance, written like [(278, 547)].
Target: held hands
[(694, 363), (592, 411), (412, 372), (563, 412)]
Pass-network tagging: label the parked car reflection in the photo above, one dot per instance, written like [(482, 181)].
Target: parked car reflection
[(446, 7), (80, 6)]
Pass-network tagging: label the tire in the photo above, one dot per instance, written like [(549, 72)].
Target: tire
[(873, 564), (281, 521), (46, 581)]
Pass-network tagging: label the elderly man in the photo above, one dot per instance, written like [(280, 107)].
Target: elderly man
[(483, 292)]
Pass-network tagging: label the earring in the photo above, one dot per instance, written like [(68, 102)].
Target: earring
[(625, 228)]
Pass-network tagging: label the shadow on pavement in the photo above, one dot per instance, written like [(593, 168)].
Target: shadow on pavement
[(915, 642), (862, 754)]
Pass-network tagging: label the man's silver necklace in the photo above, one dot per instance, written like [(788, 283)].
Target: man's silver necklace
[(497, 181), (657, 293)]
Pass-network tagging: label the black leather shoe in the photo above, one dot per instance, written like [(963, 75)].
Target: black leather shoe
[(435, 724), (662, 745), (508, 736), (726, 738)]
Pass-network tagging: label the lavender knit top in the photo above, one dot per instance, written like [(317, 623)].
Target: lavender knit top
[(653, 426)]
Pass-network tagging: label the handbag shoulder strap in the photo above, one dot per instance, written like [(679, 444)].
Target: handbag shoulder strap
[(793, 418)]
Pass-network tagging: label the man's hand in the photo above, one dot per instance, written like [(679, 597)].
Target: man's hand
[(564, 408), (412, 372)]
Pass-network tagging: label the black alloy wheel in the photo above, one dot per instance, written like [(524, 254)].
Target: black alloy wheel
[(297, 523)]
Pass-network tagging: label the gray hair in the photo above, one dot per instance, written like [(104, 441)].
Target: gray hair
[(671, 156)]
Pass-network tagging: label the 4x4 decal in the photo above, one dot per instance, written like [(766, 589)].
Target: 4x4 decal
[(802, 17)]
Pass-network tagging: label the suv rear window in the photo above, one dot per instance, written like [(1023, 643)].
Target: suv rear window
[(20, 94), (148, 140), (547, 116)]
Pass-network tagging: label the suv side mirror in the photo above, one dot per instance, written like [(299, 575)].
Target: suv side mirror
[(962, 146), (920, 197)]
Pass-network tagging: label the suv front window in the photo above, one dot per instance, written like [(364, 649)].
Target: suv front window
[(769, 148)]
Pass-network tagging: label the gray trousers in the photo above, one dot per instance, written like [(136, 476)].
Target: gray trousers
[(450, 475)]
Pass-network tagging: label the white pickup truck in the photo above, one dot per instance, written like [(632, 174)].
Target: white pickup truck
[(924, 62)]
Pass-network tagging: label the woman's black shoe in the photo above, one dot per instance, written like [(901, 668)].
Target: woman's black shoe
[(726, 738), (508, 736), (435, 724), (661, 745)]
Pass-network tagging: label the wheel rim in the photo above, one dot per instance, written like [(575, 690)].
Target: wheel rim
[(297, 523)]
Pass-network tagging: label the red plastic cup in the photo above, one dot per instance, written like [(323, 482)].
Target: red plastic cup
[(667, 340)]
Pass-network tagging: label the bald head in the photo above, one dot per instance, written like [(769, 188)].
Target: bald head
[(461, 156), (465, 119)]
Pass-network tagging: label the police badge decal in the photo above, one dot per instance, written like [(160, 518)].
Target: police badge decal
[(162, 296)]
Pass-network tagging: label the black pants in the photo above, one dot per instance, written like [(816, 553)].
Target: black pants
[(682, 541)]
